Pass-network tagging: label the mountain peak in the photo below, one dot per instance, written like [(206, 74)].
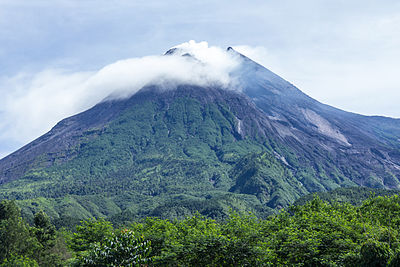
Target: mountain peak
[(191, 47), (171, 51)]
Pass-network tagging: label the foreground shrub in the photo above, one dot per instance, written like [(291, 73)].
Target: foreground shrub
[(123, 248)]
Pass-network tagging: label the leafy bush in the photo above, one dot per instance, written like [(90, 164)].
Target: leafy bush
[(121, 249)]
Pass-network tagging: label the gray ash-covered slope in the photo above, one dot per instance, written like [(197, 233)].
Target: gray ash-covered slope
[(262, 143), (365, 148)]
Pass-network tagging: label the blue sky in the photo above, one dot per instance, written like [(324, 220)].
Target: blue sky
[(343, 53)]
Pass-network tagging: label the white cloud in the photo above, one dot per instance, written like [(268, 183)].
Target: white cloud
[(33, 103)]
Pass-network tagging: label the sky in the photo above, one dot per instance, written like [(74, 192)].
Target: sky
[(342, 53)]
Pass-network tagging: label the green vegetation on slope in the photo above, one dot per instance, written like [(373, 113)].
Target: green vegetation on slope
[(154, 159), (171, 157), (266, 177), (147, 150)]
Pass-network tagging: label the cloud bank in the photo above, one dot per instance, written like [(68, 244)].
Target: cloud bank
[(36, 102)]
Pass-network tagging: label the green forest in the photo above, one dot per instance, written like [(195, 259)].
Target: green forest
[(316, 232)]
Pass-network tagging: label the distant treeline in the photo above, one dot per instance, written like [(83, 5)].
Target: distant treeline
[(316, 233), (353, 195)]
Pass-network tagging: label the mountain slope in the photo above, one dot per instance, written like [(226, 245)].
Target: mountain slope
[(169, 150), (366, 149)]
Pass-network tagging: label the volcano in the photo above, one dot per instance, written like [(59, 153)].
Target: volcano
[(256, 144)]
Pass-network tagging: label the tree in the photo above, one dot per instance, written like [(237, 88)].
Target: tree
[(121, 249), (19, 261), (15, 234), (374, 254), (90, 232), (45, 233), (44, 230)]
